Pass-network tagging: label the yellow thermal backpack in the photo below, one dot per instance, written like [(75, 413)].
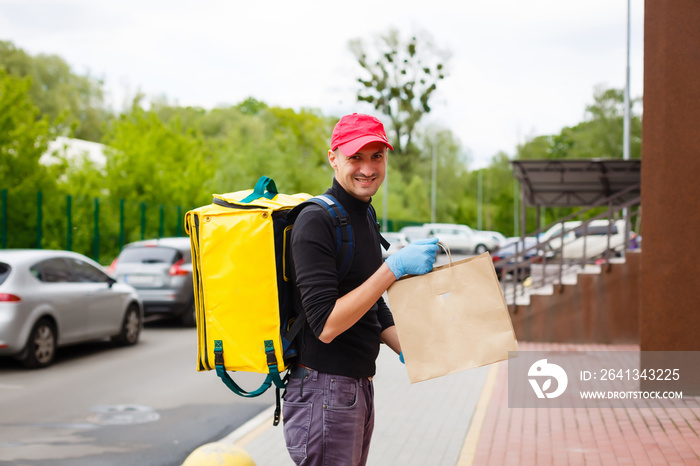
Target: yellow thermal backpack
[(248, 309)]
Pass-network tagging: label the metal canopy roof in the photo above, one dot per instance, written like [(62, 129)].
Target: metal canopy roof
[(575, 183)]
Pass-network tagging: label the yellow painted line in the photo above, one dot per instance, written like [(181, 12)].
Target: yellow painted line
[(251, 429), (466, 456), (253, 434)]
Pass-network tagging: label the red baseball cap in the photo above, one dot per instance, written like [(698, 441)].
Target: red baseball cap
[(355, 131)]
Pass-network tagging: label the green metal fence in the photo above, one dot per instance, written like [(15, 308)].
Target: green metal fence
[(96, 227)]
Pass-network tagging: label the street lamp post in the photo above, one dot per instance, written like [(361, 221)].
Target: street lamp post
[(385, 201), (433, 194), (480, 200), (626, 125), (515, 207)]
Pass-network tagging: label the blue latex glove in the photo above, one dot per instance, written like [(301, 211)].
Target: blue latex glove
[(415, 259), (401, 358)]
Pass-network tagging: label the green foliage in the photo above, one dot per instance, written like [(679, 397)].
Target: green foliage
[(410, 190), (498, 202), (252, 139), (290, 147), (73, 103), (155, 161), (599, 136), (24, 137)]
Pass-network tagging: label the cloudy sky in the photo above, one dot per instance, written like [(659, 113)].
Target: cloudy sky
[(518, 68)]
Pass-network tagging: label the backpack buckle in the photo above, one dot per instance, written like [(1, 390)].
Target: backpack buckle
[(340, 221), (218, 353), (270, 353)]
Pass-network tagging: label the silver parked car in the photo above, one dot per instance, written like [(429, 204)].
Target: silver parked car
[(51, 298), (161, 272), (461, 238)]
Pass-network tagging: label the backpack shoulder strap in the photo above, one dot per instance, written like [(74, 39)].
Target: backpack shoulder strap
[(344, 238), (373, 217)]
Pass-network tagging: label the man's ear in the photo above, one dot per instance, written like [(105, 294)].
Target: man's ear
[(333, 159)]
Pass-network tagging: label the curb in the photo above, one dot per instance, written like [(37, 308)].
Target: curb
[(229, 450), (251, 429)]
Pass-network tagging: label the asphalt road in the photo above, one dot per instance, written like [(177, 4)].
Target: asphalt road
[(101, 405)]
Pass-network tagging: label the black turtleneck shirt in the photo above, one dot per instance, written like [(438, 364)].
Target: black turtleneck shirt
[(354, 352)]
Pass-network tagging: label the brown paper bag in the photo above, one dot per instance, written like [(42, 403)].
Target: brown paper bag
[(451, 319)]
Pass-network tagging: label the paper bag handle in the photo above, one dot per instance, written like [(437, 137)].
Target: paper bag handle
[(446, 248), (444, 285)]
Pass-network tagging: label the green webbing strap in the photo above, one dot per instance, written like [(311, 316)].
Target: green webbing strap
[(272, 377), (264, 184), (272, 364)]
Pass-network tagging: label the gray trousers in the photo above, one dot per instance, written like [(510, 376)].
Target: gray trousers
[(328, 419)]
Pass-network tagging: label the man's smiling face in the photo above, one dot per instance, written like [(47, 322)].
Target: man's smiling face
[(360, 174)]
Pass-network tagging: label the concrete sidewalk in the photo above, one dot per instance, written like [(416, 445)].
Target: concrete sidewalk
[(464, 419)]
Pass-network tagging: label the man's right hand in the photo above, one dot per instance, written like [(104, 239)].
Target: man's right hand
[(415, 259)]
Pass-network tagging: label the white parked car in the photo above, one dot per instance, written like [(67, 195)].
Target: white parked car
[(414, 233), (549, 235), (461, 238), (498, 236), (593, 238)]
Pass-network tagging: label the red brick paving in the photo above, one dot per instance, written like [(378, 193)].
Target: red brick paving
[(586, 436)]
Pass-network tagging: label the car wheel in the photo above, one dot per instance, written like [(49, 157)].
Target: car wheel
[(131, 327), (189, 317), (480, 249), (41, 345)]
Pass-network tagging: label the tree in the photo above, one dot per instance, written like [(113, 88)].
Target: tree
[(498, 181), (410, 191), (399, 80), (599, 136), (157, 162), (251, 139), (73, 103), (24, 137)]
